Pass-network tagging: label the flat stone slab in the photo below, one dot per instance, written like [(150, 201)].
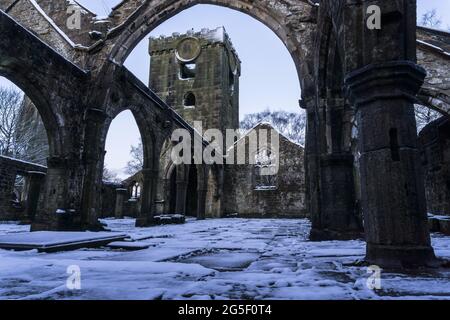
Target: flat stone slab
[(127, 245), (221, 260), (169, 219), (439, 224), (51, 241)]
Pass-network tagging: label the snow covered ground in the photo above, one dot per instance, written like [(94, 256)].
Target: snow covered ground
[(214, 259)]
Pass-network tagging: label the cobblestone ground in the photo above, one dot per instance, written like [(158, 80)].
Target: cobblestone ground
[(215, 259)]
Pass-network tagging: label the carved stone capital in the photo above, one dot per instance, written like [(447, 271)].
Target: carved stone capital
[(95, 115), (390, 80)]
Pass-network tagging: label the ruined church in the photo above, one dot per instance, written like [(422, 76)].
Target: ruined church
[(349, 74)]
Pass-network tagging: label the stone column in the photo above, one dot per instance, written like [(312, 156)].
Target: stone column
[(121, 196), (55, 198), (93, 163), (393, 197), (181, 197), (338, 218), (148, 196), (182, 184), (36, 182), (165, 195), (6, 189), (202, 188)]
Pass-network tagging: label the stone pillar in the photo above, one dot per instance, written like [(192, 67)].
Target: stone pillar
[(55, 198), (6, 189), (339, 217), (35, 180), (181, 197), (393, 197), (182, 184), (312, 166), (121, 196), (165, 195), (148, 196), (93, 162), (202, 187)]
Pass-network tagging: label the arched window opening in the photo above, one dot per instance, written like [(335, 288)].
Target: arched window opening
[(265, 170), (18, 195), (188, 70), (136, 191), (124, 150), (24, 150), (190, 100), (232, 82)]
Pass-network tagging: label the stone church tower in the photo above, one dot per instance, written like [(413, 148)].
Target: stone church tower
[(197, 74)]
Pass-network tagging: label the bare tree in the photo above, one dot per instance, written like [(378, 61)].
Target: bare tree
[(136, 163), (430, 19), (109, 176), (291, 125), (10, 106), (31, 131), (22, 133)]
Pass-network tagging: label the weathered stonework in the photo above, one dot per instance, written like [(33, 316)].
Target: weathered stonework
[(433, 54), (33, 180), (213, 83), (212, 86), (281, 195), (78, 90), (434, 140)]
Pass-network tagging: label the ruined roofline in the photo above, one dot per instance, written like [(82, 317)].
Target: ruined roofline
[(261, 124), (431, 47), (191, 32), (434, 40), (80, 71), (217, 35), (434, 30), (23, 161)]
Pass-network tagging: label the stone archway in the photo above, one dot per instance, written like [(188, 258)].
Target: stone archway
[(332, 196), (292, 21), (150, 159)]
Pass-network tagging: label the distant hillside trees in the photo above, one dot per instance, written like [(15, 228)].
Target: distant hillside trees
[(291, 125)]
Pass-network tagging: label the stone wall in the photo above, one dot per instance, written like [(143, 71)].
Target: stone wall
[(433, 54), (34, 178), (108, 199), (285, 198), (435, 150)]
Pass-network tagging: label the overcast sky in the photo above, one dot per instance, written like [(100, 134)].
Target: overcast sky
[(269, 78)]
